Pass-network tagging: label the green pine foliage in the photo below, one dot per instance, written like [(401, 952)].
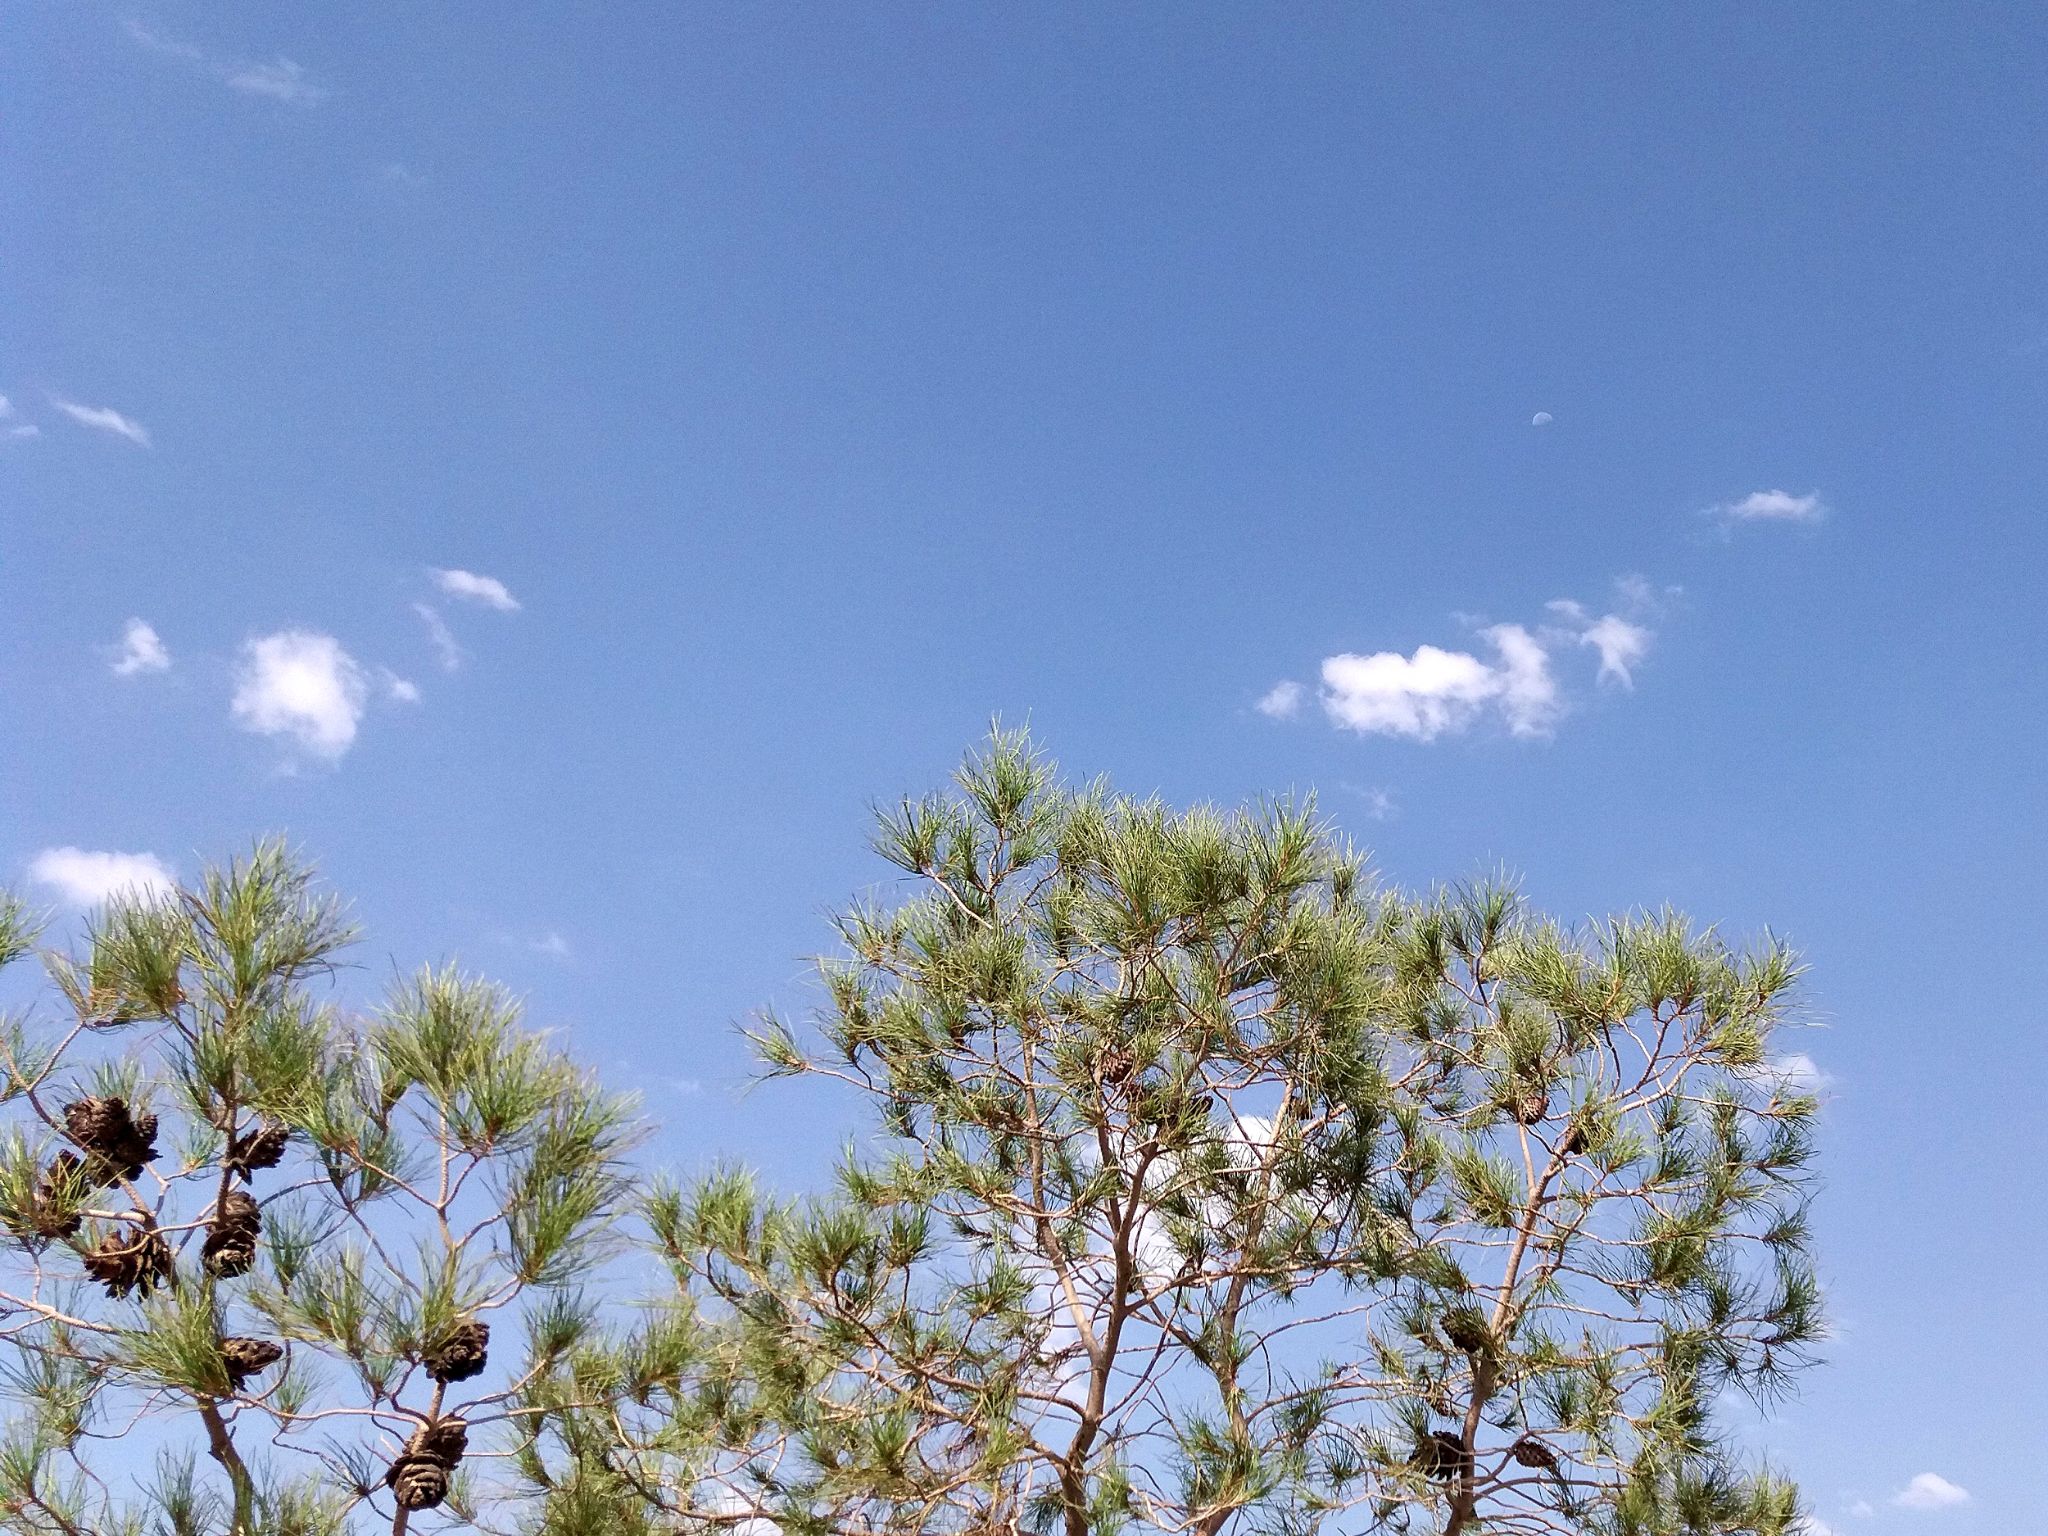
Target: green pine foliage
[(1218, 1188), (262, 1242), (1209, 1186)]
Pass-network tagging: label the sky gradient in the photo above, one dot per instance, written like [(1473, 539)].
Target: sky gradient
[(561, 469)]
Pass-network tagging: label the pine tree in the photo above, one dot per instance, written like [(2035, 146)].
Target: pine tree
[(1219, 1188), (298, 1261)]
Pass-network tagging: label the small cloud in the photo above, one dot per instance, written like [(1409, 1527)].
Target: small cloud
[(397, 174), (301, 686), (686, 1086), (472, 588), (1541, 419), (104, 419), (1620, 644), (1772, 507), (1862, 1509), (1282, 701), (1379, 803), (1434, 691), (140, 651), (401, 690), (281, 80), (24, 429), (551, 944), (84, 878), (443, 638), (1930, 1490), (1799, 1073)]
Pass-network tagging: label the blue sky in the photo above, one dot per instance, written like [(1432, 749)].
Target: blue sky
[(792, 391)]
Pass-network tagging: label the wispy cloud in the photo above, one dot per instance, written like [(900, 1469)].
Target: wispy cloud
[(1928, 1491), (85, 878), (550, 944), (303, 687), (10, 428), (1772, 507), (1282, 701), (446, 647), (472, 588), (1621, 644), (278, 80), (140, 652), (401, 690), (102, 418)]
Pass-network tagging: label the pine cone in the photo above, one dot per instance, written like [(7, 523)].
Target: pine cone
[(231, 1236), (1441, 1455), (1531, 1452), (103, 1126), (420, 1474), (1467, 1331), (60, 1186), (1529, 1106), (260, 1148), (444, 1441), (248, 1357), (1117, 1065), (462, 1354), (132, 1259), (1574, 1141), (419, 1483)]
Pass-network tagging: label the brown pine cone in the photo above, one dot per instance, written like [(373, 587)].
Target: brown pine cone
[(262, 1147), (418, 1483), (419, 1476), (131, 1259), (1467, 1331), (1531, 1452), (444, 1440), (60, 1187), (248, 1357), (231, 1236), (462, 1354), (1574, 1141), (105, 1127), (1441, 1455), (1530, 1106)]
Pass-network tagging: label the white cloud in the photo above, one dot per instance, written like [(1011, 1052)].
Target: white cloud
[(280, 80), (24, 429), (1528, 694), (1282, 701), (401, 690), (85, 878), (473, 588), (1799, 1072), (1541, 419), (1620, 644), (104, 419), (1930, 1490), (1862, 1509), (140, 651), (302, 686), (443, 638), (1419, 696), (1435, 691), (1773, 507), (551, 944)]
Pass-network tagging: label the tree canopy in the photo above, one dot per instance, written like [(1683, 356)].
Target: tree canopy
[(1208, 1185)]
